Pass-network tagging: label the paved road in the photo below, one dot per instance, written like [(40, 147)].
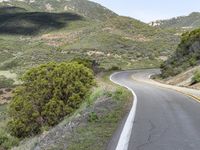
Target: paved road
[(165, 119)]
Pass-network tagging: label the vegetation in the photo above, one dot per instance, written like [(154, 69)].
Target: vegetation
[(5, 82), (100, 127), (84, 7), (191, 21), (48, 94), (186, 55), (6, 140), (78, 28), (196, 77), (92, 125), (89, 63)]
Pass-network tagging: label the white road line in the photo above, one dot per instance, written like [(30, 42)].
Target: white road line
[(123, 142)]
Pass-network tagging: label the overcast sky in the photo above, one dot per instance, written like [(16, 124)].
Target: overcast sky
[(150, 10)]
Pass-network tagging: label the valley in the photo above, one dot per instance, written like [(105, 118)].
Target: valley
[(28, 39)]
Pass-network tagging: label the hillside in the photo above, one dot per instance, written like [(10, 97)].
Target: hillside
[(184, 79), (82, 7), (187, 55), (191, 21), (31, 33)]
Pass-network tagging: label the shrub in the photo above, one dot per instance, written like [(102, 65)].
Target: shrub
[(7, 141), (49, 92), (114, 68), (118, 94), (196, 77), (9, 65), (93, 117), (5, 82), (92, 64), (186, 55)]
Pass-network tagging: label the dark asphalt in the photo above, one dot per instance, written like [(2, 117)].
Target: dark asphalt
[(165, 119)]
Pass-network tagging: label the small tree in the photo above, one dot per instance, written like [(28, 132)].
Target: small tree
[(49, 92)]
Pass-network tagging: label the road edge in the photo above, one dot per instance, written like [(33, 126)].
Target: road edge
[(195, 98), (187, 94), (124, 139)]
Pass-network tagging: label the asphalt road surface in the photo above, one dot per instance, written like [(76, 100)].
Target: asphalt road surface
[(164, 119)]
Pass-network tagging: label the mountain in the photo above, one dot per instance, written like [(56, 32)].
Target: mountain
[(186, 56), (38, 31), (189, 22), (83, 7)]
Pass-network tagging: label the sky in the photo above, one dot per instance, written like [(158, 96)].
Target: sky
[(151, 10)]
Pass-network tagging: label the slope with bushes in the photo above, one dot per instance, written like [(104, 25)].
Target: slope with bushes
[(187, 55), (36, 32), (191, 21), (56, 99)]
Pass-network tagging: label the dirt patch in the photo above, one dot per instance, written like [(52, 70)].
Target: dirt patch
[(5, 96), (138, 38), (60, 39), (10, 75), (196, 86)]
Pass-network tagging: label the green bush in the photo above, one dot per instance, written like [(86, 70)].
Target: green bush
[(7, 141), (196, 77), (119, 94), (186, 55), (5, 82), (49, 92), (9, 65), (93, 117), (92, 64)]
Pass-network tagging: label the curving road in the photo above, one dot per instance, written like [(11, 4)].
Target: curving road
[(164, 119)]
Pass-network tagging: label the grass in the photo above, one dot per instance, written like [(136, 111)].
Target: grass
[(6, 140), (3, 113), (100, 128)]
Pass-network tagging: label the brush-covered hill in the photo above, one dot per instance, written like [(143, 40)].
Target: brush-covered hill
[(186, 56), (192, 21), (38, 31), (82, 7)]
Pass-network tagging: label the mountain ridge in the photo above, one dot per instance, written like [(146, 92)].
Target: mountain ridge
[(191, 21), (82, 7)]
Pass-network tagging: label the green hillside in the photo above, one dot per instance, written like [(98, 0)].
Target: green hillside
[(35, 32), (83, 7), (189, 22), (187, 54)]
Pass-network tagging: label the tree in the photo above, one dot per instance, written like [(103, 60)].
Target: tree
[(48, 94)]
